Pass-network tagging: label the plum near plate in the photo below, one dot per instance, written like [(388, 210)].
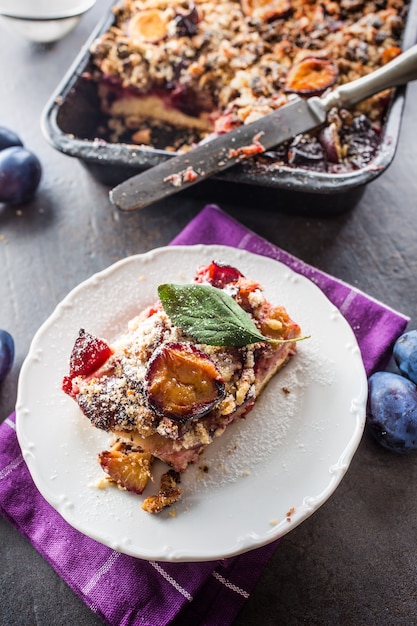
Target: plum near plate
[(20, 175), (6, 353), (392, 411), (9, 138), (405, 354)]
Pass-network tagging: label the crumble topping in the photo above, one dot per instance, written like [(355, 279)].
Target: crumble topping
[(165, 396), (114, 398), (223, 63)]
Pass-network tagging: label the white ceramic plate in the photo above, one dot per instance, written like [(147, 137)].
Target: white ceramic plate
[(263, 477)]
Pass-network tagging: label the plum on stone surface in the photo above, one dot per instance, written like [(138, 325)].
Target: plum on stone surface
[(405, 354), (311, 76), (9, 138), (6, 353), (20, 175), (392, 411)]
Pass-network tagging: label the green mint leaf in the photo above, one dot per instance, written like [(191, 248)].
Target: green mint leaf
[(210, 315)]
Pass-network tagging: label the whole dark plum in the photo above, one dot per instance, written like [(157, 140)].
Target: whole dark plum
[(392, 411), (6, 353), (405, 354), (9, 138), (20, 174)]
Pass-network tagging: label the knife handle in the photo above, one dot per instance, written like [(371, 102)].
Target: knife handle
[(399, 71)]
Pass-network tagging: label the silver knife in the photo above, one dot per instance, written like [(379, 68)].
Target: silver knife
[(224, 151)]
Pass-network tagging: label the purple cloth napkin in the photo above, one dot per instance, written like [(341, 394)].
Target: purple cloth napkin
[(153, 593)]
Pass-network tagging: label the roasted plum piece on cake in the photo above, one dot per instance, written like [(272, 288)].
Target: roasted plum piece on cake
[(172, 73), (167, 387)]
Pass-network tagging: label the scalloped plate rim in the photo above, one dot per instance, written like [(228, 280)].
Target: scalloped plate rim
[(249, 539)]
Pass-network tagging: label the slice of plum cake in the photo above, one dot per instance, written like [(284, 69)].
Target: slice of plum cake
[(164, 393)]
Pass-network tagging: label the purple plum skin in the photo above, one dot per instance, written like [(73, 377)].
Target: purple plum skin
[(392, 411), (405, 354), (20, 174), (6, 353), (9, 138)]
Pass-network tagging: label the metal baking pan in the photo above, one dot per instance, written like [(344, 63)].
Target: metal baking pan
[(72, 117)]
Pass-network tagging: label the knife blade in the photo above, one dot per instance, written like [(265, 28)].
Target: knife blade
[(224, 151)]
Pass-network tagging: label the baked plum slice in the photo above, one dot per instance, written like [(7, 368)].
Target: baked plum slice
[(88, 354), (182, 382), (311, 76), (130, 469), (218, 274), (266, 10), (149, 25), (330, 141)]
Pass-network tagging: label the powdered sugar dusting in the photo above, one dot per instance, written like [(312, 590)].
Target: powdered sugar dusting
[(250, 443)]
